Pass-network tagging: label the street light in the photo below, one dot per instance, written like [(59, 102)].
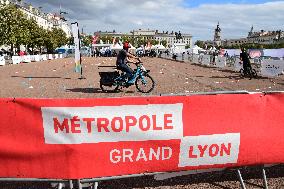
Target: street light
[(83, 29), (62, 13)]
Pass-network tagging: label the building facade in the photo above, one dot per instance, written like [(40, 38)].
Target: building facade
[(265, 37), (45, 20), (170, 38), (173, 38), (260, 37), (234, 42)]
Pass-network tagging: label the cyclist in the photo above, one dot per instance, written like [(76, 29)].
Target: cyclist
[(244, 56), (123, 58)]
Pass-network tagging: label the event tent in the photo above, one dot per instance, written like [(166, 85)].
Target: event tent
[(177, 50), (159, 47), (116, 47), (196, 49)]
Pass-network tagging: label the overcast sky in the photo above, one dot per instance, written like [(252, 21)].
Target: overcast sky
[(197, 17)]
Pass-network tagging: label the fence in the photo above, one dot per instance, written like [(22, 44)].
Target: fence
[(73, 139), (30, 58), (2, 61), (266, 67)]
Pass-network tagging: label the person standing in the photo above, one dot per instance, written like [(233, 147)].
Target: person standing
[(244, 56), (226, 54)]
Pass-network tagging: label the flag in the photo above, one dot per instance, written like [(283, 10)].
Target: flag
[(95, 38), (75, 31)]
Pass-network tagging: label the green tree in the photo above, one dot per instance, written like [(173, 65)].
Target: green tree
[(41, 39), (87, 40), (70, 41), (154, 42), (164, 43), (59, 37), (140, 41), (34, 35), (48, 41), (199, 43), (16, 30), (12, 26), (125, 38)]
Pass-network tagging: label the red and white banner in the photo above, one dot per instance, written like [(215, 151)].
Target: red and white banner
[(90, 138)]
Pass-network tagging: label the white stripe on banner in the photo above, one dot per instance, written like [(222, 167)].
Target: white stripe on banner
[(209, 150), (67, 125)]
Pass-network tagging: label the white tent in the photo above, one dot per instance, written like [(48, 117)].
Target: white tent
[(196, 49), (177, 50), (119, 47), (132, 47), (159, 47), (100, 45), (116, 47)]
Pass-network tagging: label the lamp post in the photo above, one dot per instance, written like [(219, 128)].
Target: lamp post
[(62, 13), (83, 29)]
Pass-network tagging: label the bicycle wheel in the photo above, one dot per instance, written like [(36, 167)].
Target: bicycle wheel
[(254, 73), (250, 72), (242, 72), (109, 88), (145, 83)]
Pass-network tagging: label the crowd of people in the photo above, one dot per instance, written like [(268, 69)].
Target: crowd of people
[(103, 52), (107, 52)]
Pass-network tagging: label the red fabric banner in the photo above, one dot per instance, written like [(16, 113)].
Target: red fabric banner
[(90, 138)]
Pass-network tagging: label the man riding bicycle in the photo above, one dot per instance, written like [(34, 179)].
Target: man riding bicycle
[(123, 58)]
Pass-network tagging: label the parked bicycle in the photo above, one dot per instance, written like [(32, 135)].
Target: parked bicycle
[(113, 81)]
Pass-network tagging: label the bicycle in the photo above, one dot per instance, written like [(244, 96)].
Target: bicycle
[(112, 81), (251, 73)]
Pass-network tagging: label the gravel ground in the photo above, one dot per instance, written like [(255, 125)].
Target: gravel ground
[(56, 79), (219, 180)]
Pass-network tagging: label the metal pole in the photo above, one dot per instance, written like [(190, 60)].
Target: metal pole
[(70, 184), (117, 177), (264, 179), (60, 185), (79, 184), (243, 186), (96, 185), (82, 77)]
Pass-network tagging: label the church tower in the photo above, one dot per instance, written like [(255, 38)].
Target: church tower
[(217, 36)]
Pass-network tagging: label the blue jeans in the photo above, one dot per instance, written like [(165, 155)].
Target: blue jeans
[(126, 69)]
